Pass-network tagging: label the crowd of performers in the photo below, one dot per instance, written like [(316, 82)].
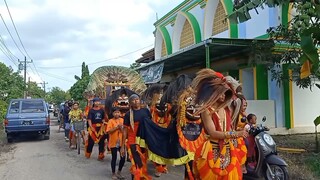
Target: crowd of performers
[(199, 122)]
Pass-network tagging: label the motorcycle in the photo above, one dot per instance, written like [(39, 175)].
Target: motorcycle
[(267, 163)]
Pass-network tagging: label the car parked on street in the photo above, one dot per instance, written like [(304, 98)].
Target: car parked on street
[(26, 116), (51, 108)]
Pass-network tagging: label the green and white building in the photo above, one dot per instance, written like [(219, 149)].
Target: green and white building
[(196, 34)]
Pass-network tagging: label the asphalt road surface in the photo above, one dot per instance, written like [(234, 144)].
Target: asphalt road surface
[(35, 159)]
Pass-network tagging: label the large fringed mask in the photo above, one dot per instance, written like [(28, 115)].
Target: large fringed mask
[(160, 111), (120, 100), (209, 86), (189, 127)]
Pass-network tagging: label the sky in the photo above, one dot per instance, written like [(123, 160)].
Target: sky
[(58, 35)]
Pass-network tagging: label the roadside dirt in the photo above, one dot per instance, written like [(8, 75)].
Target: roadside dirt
[(302, 166)]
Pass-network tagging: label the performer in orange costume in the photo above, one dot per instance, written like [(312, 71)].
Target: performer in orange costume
[(217, 157)]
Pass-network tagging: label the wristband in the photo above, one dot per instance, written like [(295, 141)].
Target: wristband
[(230, 134)]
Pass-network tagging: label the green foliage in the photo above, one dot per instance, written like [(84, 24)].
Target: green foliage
[(34, 91), (77, 90), (56, 96), (296, 42), (3, 110), (314, 163), (11, 87), (317, 121)]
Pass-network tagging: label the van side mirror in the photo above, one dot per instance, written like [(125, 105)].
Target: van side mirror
[(264, 119)]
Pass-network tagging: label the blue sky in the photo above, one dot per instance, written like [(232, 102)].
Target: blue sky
[(59, 35)]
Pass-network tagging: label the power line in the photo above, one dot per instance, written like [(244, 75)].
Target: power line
[(11, 35), (5, 53), (123, 55), (36, 70), (5, 45), (55, 76), (15, 28)]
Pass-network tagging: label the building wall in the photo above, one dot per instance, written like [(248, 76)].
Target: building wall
[(305, 105), (276, 94), (204, 20)]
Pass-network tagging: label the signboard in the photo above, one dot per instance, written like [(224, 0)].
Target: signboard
[(152, 74)]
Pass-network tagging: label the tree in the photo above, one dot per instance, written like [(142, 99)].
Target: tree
[(35, 91), (56, 95), (135, 65), (77, 90), (11, 87), (300, 37)]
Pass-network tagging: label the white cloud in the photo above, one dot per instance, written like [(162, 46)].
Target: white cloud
[(63, 33)]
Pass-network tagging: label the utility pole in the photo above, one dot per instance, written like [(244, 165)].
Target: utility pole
[(44, 86), (29, 81), (25, 75)]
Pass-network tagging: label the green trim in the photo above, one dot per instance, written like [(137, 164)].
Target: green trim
[(286, 95), (169, 21), (174, 10), (233, 27), (234, 74), (192, 5), (195, 26), (167, 39), (285, 14), (203, 4), (262, 82)]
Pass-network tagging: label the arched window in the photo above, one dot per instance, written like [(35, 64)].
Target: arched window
[(163, 49), (187, 37), (219, 22)]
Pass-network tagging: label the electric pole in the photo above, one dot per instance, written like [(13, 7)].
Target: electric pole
[(24, 75), (29, 81), (44, 86)]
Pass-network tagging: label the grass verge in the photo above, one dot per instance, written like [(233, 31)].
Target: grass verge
[(302, 166)]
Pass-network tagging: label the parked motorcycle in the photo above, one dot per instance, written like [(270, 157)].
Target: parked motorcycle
[(268, 164)]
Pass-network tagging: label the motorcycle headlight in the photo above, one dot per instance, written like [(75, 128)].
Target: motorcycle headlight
[(268, 139), (261, 142), (264, 147)]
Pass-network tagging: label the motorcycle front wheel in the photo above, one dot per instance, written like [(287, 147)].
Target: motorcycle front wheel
[(279, 173)]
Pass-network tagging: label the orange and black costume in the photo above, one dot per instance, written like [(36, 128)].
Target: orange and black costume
[(137, 154), (218, 159), (96, 133)]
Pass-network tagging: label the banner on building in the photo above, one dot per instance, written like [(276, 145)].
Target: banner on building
[(152, 74)]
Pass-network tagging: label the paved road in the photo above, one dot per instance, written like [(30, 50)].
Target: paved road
[(35, 159)]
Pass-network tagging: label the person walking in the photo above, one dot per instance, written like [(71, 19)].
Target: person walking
[(115, 129), (96, 130)]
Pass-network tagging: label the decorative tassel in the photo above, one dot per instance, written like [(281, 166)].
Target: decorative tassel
[(189, 172), (182, 114)]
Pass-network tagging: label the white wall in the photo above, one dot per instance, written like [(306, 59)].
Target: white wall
[(198, 13), (306, 105), (263, 108), (158, 44), (210, 11), (259, 23), (224, 34)]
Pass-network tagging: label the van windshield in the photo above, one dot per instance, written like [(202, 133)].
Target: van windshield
[(32, 107)]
